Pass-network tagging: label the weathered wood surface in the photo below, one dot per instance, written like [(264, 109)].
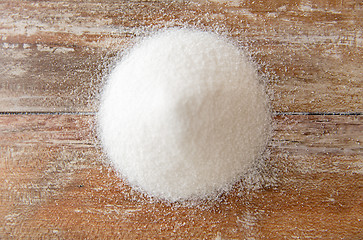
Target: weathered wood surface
[(54, 182), (53, 53), (56, 185)]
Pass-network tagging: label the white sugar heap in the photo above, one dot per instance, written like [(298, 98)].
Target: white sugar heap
[(183, 115)]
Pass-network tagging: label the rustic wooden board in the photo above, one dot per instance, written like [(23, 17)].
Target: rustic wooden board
[(53, 53), (55, 184)]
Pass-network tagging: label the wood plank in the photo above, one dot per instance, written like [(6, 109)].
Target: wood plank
[(55, 184), (53, 53), (51, 79)]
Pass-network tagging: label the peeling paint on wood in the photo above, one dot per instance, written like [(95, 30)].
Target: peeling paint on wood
[(311, 51)]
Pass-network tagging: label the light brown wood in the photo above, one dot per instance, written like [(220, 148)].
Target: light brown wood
[(54, 179), (56, 185), (53, 52)]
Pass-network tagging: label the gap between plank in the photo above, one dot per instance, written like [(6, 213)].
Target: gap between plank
[(274, 113), (48, 113)]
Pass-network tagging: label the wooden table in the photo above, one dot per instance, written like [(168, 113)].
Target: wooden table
[(55, 181)]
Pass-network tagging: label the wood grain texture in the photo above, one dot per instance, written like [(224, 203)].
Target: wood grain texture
[(53, 53), (56, 184)]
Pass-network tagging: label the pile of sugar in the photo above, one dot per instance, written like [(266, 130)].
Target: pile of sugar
[(183, 115)]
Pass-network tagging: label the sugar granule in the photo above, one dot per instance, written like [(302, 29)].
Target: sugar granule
[(183, 115)]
